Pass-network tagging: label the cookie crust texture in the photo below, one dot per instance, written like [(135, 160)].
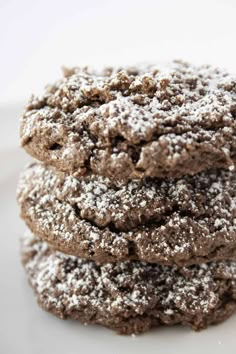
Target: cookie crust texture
[(129, 297), (174, 222), (160, 121)]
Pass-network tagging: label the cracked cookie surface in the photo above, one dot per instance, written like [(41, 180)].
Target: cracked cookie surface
[(158, 121), (129, 297), (184, 221)]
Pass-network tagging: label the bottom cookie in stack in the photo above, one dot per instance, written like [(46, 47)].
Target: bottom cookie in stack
[(130, 296)]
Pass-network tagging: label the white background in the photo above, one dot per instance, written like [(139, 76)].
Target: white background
[(38, 37)]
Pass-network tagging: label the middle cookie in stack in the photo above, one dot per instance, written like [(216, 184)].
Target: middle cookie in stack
[(174, 222)]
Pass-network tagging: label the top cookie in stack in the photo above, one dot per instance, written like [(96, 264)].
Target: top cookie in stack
[(132, 123), (131, 164)]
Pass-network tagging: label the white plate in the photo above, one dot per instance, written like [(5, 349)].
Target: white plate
[(26, 329)]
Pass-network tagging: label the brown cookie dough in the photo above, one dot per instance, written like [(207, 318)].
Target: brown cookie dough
[(186, 221), (130, 123), (129, 297)]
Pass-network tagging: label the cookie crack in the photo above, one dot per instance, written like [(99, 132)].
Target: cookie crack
[(150, 224)]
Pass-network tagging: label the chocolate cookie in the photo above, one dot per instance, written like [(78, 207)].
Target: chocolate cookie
[(129, 297), (135, 122), (186, 221)]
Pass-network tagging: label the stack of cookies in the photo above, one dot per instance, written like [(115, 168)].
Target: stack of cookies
[(132, 207)]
